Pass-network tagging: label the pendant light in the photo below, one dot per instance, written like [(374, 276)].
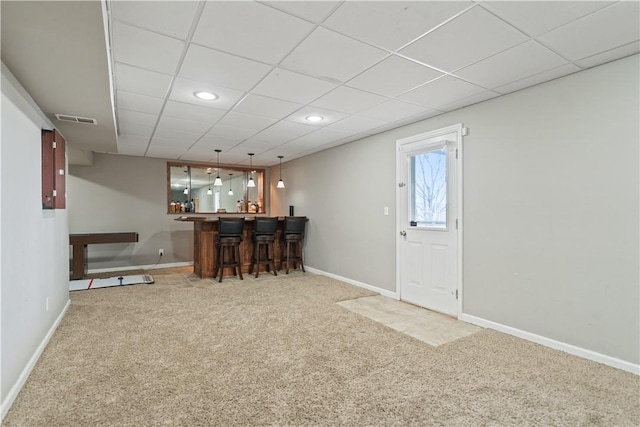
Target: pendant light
[(209, 192), (281, 182), (218, 181), (230, 190), (251, 182), (186, 189)]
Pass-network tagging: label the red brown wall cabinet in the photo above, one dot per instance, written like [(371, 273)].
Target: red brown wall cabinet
[(54, 192)]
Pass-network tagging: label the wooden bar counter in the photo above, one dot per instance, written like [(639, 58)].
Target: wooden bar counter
[(204, 251)]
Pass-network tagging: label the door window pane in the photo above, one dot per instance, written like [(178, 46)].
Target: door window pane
[(428, 201)]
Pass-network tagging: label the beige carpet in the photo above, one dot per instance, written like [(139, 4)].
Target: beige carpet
[(280, 351)]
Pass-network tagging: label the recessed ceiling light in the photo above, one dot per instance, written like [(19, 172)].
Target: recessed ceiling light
[(207, 96), (314, 118)]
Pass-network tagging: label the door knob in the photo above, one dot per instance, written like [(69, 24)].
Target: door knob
[(403, 233)]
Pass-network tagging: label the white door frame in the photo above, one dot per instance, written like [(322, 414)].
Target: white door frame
[(460, 131)]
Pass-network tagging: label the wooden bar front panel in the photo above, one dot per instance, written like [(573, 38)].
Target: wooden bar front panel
[(204, 253)]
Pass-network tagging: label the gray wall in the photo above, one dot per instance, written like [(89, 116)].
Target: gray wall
[(33, 260), (124, 193), (551, 208)]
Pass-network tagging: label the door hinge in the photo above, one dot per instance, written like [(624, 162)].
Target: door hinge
[(53, 144), (401, 184), (456, 223), (456, 153), (456, 294)]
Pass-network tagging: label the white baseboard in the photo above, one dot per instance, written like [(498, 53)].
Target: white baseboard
[(140, 267), (381, 291), (557, 345), (22, 379)]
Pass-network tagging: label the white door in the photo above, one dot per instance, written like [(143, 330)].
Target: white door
[(428, 219)]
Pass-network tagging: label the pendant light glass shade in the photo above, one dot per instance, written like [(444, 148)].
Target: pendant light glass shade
[(251, 182), (230, 190), (218, 181), (209, 192), (186, 191), (281, 182)]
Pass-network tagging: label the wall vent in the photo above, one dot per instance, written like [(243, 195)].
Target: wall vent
[(75, 119)]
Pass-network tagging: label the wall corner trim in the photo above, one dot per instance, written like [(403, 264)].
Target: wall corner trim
[(381, 291), (556, 345), (24, 375)]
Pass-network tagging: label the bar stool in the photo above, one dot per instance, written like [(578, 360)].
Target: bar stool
[(229, 237), (292, 241), (263, 237)]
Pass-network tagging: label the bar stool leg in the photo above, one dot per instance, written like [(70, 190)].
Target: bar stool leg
[(238, 262)]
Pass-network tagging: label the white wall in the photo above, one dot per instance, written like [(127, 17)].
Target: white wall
[(551, 200), (34, 247)]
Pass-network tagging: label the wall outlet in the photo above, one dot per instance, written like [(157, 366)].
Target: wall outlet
[(160, 252)]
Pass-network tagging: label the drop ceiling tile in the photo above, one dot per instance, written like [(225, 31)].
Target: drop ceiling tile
[(393, 110), (603, 30), (314, 11), (195, 156), (231, 132), (144, 49), (610, 55), (135, 118), (470, 100), (441, 92), (250, 29), (130, 128), (165, 152), (132, 150), (356, 124), (474, 35), (221, 69), (132, 79), (246, 121), (167, 123), (519, 62), (184, 89), (281, 132), (181, 110), (328, 55), (264, 106), (384, 78), (173, 18), (294, 87), (538, 17), (212, 143), (538, 78), (348, 100), (133, 141), (183, 142), (391, 24), (138, 102), (316, 139), (328, 116)]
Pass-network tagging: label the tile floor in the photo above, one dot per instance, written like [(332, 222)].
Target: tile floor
[(428, 326)]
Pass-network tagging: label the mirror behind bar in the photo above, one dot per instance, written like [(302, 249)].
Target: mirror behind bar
[(188, 186)]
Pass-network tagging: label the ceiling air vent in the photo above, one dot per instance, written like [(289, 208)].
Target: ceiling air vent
[(76, 119)]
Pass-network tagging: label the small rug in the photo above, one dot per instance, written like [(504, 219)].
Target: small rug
[(86, 284)]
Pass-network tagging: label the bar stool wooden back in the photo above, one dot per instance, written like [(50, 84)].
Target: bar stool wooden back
[(263, 237), (292, 241), (228, 242)]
